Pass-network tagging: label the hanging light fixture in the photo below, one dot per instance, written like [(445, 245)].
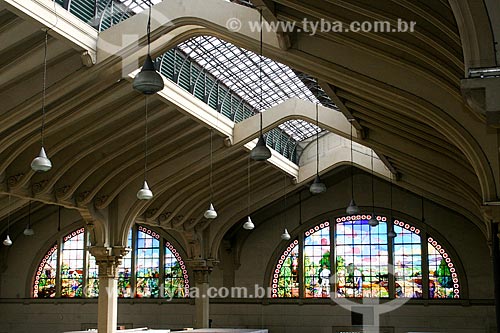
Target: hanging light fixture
[(148, 81), (210, 213), (7, 241), (42, 163), (391, 233), (260, 152), (285, 235), (373, 220), (317, 187), (248, 225), (29, 231), (352, 209), (145, 193)]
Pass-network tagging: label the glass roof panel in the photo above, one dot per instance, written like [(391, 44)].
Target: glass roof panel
[(239, 70)]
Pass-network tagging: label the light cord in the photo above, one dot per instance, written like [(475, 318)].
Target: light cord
[(248, 186), (29, 214), (146, 139), (317, 141), (373, 191), (352, 169), (44, 89), (149, 31), (8, 219), (211, 164), (260, 71)]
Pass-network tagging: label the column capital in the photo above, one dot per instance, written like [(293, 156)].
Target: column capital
[(108, 259), (491, 213), (201, 269)]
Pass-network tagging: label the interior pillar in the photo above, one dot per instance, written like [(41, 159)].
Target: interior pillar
[(107, 304), (202, 299)]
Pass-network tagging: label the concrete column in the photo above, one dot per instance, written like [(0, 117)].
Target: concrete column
[(108, 261), (202, 301)]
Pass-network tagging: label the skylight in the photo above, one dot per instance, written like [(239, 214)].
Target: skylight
[(239, 70)]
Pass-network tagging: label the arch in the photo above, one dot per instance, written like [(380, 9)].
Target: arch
[(355, 259), (153, 269)]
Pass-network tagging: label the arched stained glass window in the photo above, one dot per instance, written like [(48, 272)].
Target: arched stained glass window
[(151, 263), (443, 277), (125, 272), (72, 264), (147, 264), (286, 274), (317, 261), (176, 278), (45, 276), (407, 261), (361, 256)]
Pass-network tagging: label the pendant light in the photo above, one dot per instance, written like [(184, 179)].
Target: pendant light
[(285, 235), (373, 220), (260, 152), (145, 193), (352, 209), (317, 187), (148, 81), (7, 241), (41, 163), (29, 231), (248, 225), (391, 233), (210, 213)]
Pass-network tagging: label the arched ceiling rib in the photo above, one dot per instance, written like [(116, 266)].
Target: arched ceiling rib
[(94, 122)]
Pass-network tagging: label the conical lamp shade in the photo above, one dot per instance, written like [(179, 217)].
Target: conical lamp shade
[(28, 231), (352, 209), (260, 152), (145, 193), (41, 163), (373, 222), (317, 187), (7, 241), (248, 225), (285, 235), (210, 213), (148, 81), (392, 234)]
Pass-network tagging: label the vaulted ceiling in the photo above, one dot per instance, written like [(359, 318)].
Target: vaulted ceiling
[(402, 91)]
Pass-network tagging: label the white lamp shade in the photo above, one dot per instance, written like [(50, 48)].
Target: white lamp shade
[(145, 193), (248, 225), (7, 241), (41, 163), (210, 213), (285, 235)]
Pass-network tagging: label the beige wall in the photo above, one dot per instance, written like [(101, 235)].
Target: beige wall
[(256, 249)]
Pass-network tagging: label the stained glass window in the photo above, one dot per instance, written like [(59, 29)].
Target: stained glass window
[(362, 256), (407, 261), (286, 274), (72, 264), (317, 261), (144, 271), (147, 264), (125, 272), (92, 278), (176, 278), (45, 278), (443, 277)]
